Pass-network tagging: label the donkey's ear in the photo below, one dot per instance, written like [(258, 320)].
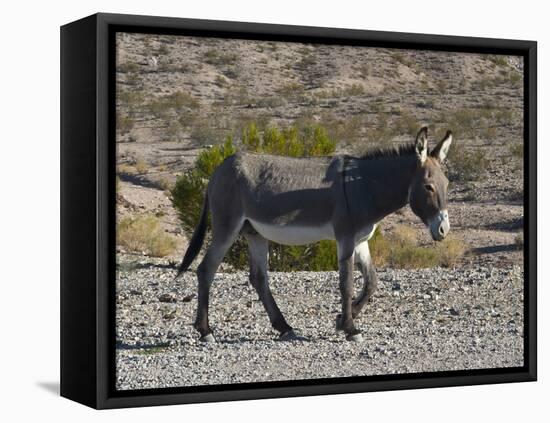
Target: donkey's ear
[(441, 150), (421, 145)]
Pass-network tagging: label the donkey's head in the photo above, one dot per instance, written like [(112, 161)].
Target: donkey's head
[(428, 191)]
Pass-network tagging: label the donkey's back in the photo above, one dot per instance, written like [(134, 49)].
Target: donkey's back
[(264, 173)]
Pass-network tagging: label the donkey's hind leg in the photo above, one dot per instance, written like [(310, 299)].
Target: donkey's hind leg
[(258, 254), (370, 279), (223, 236)]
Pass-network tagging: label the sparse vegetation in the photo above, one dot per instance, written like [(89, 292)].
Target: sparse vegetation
[(291, 90), (400, 57), (515, 78), (516, 150), (180, 99), (466, 165), (141, 166), (128, 67), (143, 234), (236, 95), (165, 184), (498, 60), (131, 99), (163, 50), (519, 239), (442, 86), (124, 124), (133, 79), (175, 103), (308, 60), (348, 91), (407, 124), (505, 77), (345, 130), (126, 169), (221, 81), (203, 132), (480, 122), (269, 102), (215, 57), (400, 249), (381, 131)]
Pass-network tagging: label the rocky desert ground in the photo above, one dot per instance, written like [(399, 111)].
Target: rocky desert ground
[(177, 96)]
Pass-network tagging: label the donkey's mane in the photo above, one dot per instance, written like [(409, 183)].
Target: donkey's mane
[(389, 152)]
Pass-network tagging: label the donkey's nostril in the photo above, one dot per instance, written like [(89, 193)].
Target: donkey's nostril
[(441, 230)]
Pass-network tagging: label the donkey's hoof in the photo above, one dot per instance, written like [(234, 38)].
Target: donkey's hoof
[(355, 337), (338, 322), (208, 338), (291, 336)]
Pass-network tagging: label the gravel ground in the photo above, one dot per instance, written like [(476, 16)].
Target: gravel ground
[(419, 321)]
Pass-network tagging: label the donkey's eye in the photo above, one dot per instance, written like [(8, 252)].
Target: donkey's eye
[(429, 187)]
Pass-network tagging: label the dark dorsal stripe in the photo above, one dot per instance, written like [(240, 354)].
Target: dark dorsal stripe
[(389, 152)]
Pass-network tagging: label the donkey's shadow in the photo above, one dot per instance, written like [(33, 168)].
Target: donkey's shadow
[(248, 340)]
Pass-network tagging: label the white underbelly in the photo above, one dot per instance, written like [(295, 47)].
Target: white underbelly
[(292, 234)]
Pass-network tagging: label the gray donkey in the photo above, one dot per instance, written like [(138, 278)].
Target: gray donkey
[(298, 201)]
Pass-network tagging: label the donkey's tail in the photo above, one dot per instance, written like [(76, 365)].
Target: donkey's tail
[(196, 240)]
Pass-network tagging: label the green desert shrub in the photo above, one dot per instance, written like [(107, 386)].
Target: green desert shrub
[(317, 257), (187, 197), (143, 234), (209, 160), (294, 141)]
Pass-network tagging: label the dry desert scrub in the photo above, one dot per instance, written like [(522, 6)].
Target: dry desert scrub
[(143, 234), (400, 249)]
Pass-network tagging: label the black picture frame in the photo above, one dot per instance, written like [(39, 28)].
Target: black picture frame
[(88, 210)]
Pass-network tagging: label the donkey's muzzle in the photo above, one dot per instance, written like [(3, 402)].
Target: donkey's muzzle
[(440, 226)]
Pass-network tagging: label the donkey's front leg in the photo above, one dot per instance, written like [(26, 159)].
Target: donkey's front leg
[(345, 266)]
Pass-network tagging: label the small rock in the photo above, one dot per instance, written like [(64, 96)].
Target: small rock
[(169, 316), (167, 298)]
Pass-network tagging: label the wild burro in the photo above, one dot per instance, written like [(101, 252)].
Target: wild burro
[(297, 201)]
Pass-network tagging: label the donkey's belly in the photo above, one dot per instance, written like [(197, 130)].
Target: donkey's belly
[(293, 234)]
